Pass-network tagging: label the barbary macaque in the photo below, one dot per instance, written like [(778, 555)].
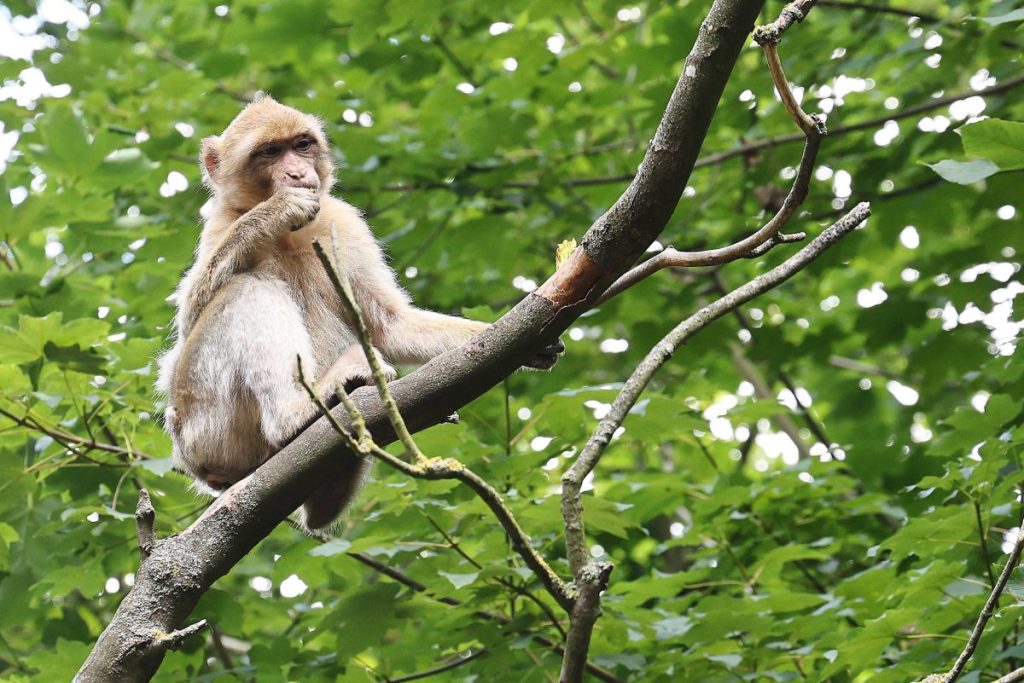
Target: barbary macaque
[(257, 298)]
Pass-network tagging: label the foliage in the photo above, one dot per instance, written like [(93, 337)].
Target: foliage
[(476, 146)]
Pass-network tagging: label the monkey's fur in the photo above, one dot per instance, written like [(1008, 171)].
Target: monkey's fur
[(257, 297)]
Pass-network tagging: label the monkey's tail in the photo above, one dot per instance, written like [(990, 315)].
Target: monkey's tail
[(331, 498)]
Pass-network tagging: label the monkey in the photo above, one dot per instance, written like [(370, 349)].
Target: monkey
[(256, 299)]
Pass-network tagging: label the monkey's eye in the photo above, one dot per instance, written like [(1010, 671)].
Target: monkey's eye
[(269, 151), (302, 144)]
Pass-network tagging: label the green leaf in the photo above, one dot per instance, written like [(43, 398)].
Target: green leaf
[(1013, 16), (460, 580), (964, 172), (68, 149), (995, 140), (331, 548)]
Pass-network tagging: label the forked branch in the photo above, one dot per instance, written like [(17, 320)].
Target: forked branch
[(572, 507), (769, 235)]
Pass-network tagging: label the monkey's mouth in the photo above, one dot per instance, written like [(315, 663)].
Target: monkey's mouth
[(301, 183)]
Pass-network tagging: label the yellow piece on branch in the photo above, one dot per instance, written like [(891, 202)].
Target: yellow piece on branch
[(563, 251)]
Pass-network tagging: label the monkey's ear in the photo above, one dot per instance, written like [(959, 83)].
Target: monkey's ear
[(210, 156)]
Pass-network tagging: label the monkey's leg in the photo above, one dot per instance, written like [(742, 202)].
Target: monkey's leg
[(234, 395)]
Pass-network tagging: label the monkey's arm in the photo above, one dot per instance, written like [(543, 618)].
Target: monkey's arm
[(403, 333), (239, 249)]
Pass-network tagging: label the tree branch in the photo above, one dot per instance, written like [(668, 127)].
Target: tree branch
[(182, 567), (1015, 676), (794, 12), (572, 480), (754, 245), (455, 663), (988, 610), (881, 9), (593, 579)]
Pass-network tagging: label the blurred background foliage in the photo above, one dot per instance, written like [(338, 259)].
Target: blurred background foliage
[(818, 488)]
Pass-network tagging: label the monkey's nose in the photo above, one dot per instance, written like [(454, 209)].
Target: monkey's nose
[(300, 180)]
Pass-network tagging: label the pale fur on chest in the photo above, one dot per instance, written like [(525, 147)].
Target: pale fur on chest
[(308, 283)]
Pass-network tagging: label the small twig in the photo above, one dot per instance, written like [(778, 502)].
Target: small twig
[(145, 515), (792, 13), (808, 124), (222, 652), (67, 437), (592, 579), (361, 441), (983, 543), (774, 241), (988, 610), (671, 258), (572, 507), (344, 291), (455, 663), (175, 639)]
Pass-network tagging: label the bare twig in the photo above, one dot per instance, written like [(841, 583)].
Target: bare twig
[(882, 9), (145, 515), (988, 610), (175, 639), (572, 509), (758, 243), (792, 13), (592, 579), (65, 437), (808, 124), (455, 663)]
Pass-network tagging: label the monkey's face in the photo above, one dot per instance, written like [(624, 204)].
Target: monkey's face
[(267, 147), (287, 163)]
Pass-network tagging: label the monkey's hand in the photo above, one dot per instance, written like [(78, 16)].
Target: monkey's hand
[(291, 208), (546, 358)]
